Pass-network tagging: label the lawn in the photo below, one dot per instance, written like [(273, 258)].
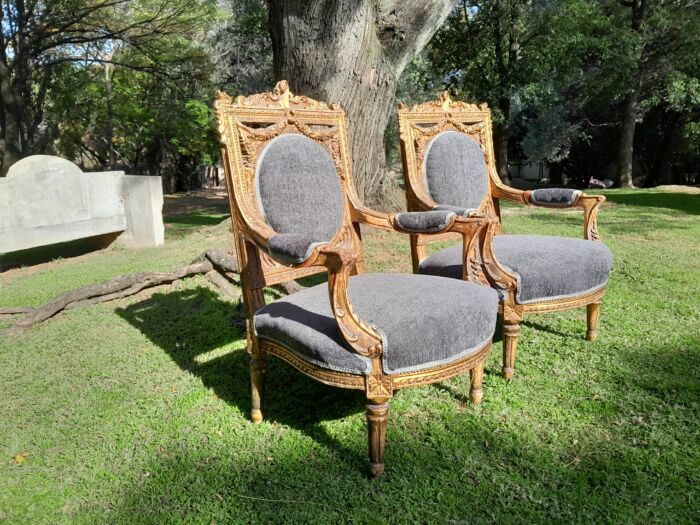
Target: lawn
[(136, 411)]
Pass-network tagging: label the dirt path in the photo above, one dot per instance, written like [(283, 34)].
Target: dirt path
[(205, 200)]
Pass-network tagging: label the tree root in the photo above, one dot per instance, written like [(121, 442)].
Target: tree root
[(216, 264)]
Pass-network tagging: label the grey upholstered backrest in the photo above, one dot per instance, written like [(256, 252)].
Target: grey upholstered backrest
[(298, 188), (455, 170)]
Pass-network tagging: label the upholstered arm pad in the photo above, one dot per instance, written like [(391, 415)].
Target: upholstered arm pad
[(459, 210), (292, 248), (424, 221), (554, 196)]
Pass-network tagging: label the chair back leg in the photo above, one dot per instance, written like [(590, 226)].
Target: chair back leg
[(476, 393)]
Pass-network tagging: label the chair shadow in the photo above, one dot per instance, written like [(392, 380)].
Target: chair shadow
[(322, 490), (188, 324), (544, 328)]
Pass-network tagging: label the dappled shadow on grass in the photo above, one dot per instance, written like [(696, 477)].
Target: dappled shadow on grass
[(52, 252), (189, 324), (685, 202), (473, 467), (443, 464)]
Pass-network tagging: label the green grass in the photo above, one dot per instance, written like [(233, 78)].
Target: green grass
[(136, 411)]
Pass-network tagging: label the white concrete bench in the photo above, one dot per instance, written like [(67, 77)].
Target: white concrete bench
[(47, 200)]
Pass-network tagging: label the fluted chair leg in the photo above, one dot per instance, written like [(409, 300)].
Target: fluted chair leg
[(592, 316), (476, 393), (511, 333), (257, 381), (377, 416)]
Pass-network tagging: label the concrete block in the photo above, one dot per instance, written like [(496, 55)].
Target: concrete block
[(143, 208), (47, 200)]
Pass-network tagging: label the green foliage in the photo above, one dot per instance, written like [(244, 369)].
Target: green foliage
[(562, 70)]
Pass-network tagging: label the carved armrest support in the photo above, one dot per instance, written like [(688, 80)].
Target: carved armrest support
[(363, 339), (590, 205), (497, 275)]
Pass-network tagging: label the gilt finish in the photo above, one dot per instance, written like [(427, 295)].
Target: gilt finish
[(245, 126), (418, 125)]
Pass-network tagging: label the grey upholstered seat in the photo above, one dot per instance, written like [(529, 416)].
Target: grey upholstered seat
[(546, 267), (425, 321)]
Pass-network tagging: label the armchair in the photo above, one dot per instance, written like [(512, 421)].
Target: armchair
[(295, 213), (448, 161)]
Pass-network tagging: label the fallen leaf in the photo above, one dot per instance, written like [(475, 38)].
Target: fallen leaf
[(21, 458)]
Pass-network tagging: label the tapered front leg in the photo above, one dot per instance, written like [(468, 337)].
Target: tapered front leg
[(257, 381), (377, 417), (511, 333), (592, 317), (476, 392)]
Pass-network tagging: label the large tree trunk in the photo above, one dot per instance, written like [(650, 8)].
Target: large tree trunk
[(9, 141), (501, 133), (353, 52), (629, 115), (626, 153)]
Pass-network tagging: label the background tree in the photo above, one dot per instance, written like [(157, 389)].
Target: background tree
[(479, 53), (39, 39)]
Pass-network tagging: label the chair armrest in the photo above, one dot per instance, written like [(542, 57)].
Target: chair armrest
[(501, 191), (574, 199), (554, 197), (388, 221), (292, 248), (361, 337), (424, 221)]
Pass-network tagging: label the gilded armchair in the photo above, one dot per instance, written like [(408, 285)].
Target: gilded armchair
[(448, 160), (295, 213)]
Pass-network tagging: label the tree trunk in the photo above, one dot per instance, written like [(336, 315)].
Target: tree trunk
[(9, 141), (659, 168), (629, 115), (626, 153), (353, 52), (109, 128), (501, 132)]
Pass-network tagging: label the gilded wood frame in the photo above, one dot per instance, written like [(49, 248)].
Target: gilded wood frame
[(245, 126), (418, 125)]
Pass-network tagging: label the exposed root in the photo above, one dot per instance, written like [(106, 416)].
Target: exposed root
[(214, 263)]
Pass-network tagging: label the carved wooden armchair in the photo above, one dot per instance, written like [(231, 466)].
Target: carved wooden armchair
[(448, 160), (295, 213)]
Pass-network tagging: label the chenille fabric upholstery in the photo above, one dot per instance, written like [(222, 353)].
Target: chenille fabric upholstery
[(291, 248), (298, 188), (425, 321), (554, 196), (424, 221), (455, 170), (546, 267)]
